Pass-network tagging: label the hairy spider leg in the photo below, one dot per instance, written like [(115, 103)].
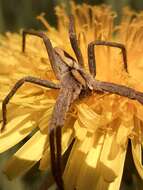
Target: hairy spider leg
[(56, 155), (54, 134), (56, 152), (59, 157), (118, 89), (74, 41), (19, 83), (62, 105), (92, 59), (48, 45)]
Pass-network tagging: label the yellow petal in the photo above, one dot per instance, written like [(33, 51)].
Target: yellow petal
[(44, 120), (101, 184), (88, 117), (75, 161), (112, 158), (67, 137), (80, 131), (26, 157), (123, 132), (16, 130), (72, 167), (89, 172), (66, 140), (137, 156)]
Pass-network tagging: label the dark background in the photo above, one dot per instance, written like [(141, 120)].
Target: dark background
[(16, 14)]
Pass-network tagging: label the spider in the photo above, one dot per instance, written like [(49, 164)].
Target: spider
[(74, 82)]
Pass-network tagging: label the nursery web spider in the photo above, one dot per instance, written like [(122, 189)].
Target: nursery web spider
[(74, 81)]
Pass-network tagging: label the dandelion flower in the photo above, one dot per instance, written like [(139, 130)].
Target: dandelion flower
[(101, 125)]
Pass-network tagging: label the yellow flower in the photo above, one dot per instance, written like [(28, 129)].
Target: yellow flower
[(101, 124)]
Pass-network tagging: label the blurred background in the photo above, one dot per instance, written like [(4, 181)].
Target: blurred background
[(16, 14)]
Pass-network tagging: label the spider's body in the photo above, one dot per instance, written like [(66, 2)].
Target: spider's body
[(67, 65), (74, 81)]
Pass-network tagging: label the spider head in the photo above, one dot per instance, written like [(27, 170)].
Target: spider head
[(66, 58), (64, 62)]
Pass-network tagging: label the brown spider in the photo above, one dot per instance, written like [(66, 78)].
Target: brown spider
[(74, 83)]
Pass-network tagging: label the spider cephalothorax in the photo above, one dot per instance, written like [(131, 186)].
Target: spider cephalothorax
[(73, 82)]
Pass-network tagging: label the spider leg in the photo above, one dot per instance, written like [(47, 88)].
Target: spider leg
[(56, 158), (69, 92), (118, 89), (48, 45), (59, 156), (91, 54), (19, 83), (55, 150), (74, 41), (57, 122)]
